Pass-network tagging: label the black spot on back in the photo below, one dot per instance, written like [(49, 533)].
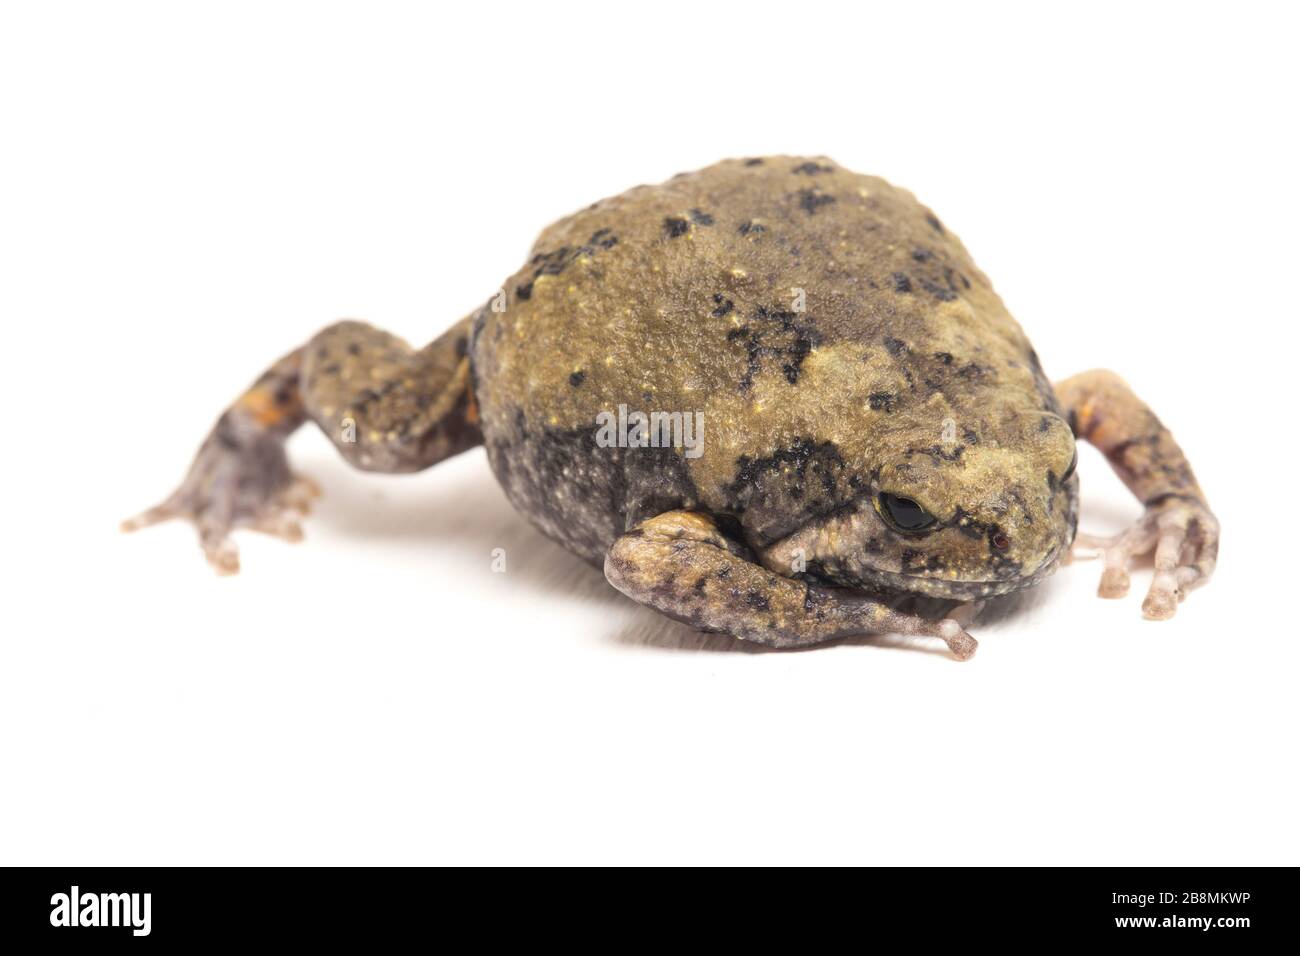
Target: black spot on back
[(676, 226), (810, 200)]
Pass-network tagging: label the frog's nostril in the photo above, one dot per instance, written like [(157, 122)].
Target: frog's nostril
[(1001, 541)]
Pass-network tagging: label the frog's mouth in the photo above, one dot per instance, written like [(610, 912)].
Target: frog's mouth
[(955, 589), (1008, 578)]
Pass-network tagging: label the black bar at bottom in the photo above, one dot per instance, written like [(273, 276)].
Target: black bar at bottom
[(1229, 908)]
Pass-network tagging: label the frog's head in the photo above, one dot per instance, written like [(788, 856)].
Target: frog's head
[(985, 513)]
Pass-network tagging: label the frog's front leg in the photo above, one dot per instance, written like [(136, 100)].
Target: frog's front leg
[(681, 565), (1178, 526), (385, 406)]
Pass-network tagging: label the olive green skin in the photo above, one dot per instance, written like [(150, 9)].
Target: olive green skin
[(839, 342)]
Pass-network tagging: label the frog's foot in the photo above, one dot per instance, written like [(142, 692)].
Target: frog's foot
[(1183, 537), (240, 479)]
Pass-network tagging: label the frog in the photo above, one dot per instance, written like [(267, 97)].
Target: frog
[(824, 412)]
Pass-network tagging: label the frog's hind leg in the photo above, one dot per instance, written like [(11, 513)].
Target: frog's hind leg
[(385, 406), (1177, 528), (682, 565)]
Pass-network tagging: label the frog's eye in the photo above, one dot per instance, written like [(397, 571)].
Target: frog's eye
[(1074, 461), (904, 513)]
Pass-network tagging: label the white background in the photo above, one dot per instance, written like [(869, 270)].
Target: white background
[(190, 191)]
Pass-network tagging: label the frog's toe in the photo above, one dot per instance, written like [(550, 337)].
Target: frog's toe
[(1116, 552), (299, 494), (1185, 555), (960, 643), (282, 516), (283, 525), (151, 516), (218, 548)]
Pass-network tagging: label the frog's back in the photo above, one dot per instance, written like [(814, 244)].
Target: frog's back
[(806, 312)]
